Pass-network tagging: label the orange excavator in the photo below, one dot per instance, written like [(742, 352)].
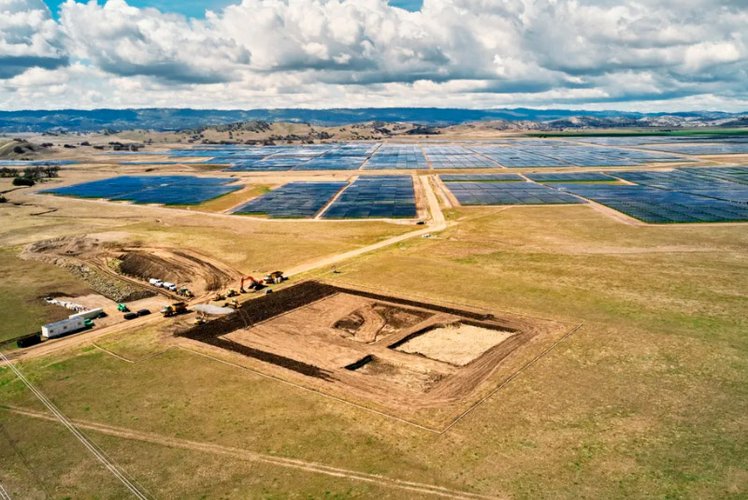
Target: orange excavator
[(253, 284)]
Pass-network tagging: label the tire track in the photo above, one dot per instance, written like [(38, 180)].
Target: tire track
[(87, 443), (251, 456)]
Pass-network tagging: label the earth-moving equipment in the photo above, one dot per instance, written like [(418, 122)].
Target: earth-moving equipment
[(253, 284), (274, 278), (174, 309)]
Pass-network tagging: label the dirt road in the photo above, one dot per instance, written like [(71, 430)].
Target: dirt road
[(436, 223)]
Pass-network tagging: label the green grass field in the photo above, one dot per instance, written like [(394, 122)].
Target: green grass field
[(23, 285), (648, 399)]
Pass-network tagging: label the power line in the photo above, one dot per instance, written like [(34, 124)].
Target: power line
[(95, 450)]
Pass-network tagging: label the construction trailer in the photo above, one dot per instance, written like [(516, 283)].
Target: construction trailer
[(64, 327)]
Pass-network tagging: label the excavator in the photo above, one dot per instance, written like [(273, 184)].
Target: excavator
[(253, 284)]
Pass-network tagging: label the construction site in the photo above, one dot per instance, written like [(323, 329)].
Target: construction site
[(400, 354)]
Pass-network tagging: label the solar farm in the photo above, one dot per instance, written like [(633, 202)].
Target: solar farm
[(293, 200), (375, 197), (652, 179), (508, 193), (158, 189), (366, 319)]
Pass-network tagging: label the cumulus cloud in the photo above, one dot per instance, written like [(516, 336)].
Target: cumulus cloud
[(127, 41), (324, 53), (28, 38)]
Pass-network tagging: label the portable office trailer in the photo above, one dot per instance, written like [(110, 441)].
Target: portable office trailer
[(60, 328)]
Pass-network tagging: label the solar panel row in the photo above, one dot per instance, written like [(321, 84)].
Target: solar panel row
[(508, 193), (293, 200), (375, 197), (165, 190)]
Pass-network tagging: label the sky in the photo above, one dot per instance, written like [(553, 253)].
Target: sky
[(643, 55)]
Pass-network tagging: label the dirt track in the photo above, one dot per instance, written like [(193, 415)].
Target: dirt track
[(242, 454)]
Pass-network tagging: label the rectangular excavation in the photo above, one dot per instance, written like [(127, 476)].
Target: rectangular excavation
[(401, 354)]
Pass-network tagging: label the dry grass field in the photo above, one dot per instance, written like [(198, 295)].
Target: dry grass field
[(647, 398)]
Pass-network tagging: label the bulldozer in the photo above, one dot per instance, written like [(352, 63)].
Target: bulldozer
[(274, 278), (186, 293), (123, 308), (233, 304), (253, 284), (174, 309), (232, 293), (219, 296), (200, 319)]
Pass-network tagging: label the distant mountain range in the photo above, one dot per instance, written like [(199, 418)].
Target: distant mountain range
[(162, 119)]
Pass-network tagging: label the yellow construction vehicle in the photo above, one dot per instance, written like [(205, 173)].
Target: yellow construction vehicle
[(233, 304), (274, 278), (174, 309), (218, 297), (232, 293)]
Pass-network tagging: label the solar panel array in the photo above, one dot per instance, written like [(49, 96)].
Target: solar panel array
[(481, 177), (397, 157), (294, 200), (570, 177), (161, 189), (689, 182), (375, 197), (545, 153), (508, 193), (456, 157), (659, 206), (733, 174), (722, 148), (345, 156)]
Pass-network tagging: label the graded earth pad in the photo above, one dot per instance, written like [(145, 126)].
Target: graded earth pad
[(406, 358), (456, 344)]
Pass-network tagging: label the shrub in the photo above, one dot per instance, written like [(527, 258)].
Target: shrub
[(23, 181)]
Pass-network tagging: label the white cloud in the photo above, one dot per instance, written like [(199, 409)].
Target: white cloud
[(337, 53), (28, 37)]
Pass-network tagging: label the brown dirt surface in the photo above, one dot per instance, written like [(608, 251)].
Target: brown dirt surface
[(456, 344), (298, 329), (121, 273), (376, 320), (177, 266)]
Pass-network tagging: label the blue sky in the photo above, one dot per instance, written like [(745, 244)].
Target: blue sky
[(197, 8), (594, 54)]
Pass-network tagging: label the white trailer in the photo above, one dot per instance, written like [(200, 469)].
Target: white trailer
[(60, 328), (92, 314)]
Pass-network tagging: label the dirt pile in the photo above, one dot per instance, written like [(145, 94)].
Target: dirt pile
[(122, 273), (177, 266), (80, 256), (107, 285), (375, 321)]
